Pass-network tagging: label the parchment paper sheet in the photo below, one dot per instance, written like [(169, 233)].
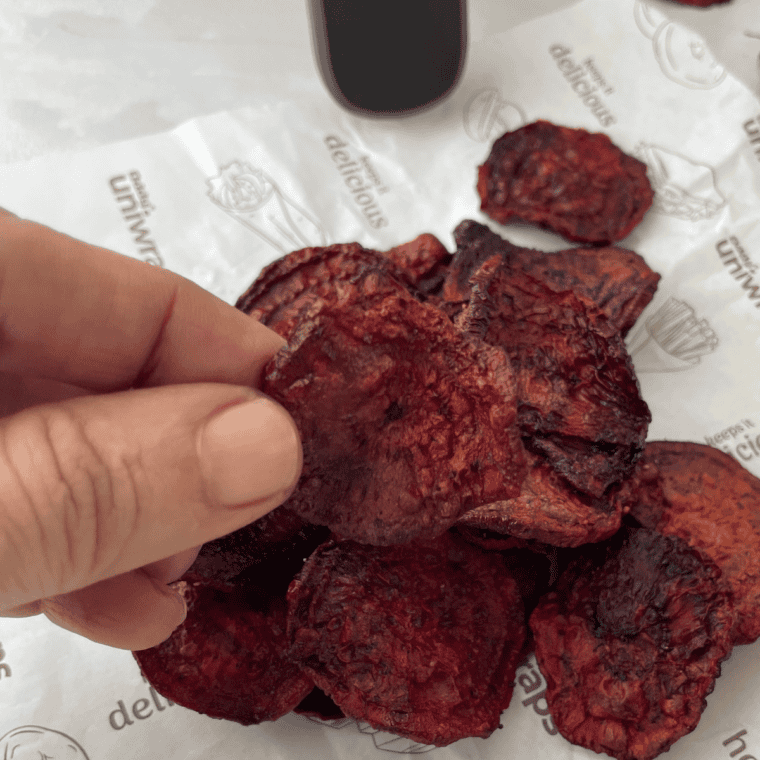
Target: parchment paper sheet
[(221, 196)]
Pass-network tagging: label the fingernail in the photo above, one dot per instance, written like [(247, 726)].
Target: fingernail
[(180, 611), (250, 451)]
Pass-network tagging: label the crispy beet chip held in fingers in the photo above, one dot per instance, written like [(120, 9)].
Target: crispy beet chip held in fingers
[(406, 423), (570, 181), (707, 499), (228, 659), (420, 640), (316, 275), (310, 276), (631, 642)]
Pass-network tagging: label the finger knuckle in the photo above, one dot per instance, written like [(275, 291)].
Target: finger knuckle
[(74, 498)]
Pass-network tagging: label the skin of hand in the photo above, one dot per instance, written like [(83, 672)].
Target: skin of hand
[(131, 432)]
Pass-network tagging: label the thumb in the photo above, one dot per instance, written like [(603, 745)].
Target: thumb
[(95, 491)]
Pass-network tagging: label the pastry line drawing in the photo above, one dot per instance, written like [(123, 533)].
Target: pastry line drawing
[(684, 188), (387, 742), (682, 54), (40, 743), (487, 115), (399, 745), (673, 339), (252, 197)]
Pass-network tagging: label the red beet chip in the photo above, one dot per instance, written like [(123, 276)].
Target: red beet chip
[(227, 660), (270, 551), (547, 510), (312, 276), (308, 277), (615, 281), (580, 406), (631, 643), (422, 260), (406, 424), (570, 181), (708, 500), (422, 641)]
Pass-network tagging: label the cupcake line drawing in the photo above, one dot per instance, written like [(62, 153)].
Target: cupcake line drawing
[(487, 115), (683, 188), (682, 54), (399, 745), (673, 339), (252, 197), (382, 740), (40, 743)]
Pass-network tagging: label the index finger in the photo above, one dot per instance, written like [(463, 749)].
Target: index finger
[(84, 315)]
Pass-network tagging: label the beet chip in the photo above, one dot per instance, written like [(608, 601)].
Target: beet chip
[(711, 502), (579, 402), (422, 260), (313, 276), (631, 643), (309, 277), (547, 510), (617, 282), (422, 641), (274, 547), (406, 424), (575, 183), (227, 659)]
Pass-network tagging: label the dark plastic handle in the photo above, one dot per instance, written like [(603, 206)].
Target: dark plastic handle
[(389, 57)]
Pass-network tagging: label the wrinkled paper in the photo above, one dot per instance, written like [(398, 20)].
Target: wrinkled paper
[(221, 196)]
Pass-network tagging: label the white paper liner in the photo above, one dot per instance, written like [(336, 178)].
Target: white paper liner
[(221, 196)]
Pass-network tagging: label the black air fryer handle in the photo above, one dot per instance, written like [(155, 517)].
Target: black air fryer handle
[(389, 56)]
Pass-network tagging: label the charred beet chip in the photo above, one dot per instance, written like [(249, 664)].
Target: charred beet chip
[(548, 510), (613, 280), (274, 546), (631, 643), (309, 277), (616, 281), (579, 402), (708, 500), (227, 660), (313, 276), (422, 260), (422, 641), (572, 182), (406, 424), (579, 408)]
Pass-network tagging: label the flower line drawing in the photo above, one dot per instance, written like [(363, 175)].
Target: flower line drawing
[(252, 197)]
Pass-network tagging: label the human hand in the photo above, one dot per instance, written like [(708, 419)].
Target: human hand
[(130, 434)]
